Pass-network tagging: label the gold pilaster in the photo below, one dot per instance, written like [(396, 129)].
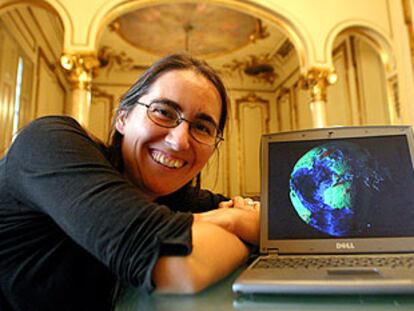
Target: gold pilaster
[(316, 81), (80, 69)]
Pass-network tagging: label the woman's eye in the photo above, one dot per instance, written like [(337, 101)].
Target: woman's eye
[(204, 129), (164, 113)]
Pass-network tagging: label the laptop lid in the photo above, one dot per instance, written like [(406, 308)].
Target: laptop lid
[(338, 190)]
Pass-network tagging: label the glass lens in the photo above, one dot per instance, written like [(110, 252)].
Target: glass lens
[(163, 114), (204, 131), (167, 116)]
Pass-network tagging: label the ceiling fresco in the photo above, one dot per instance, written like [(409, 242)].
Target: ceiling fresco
[(199, 29), (244, 48)]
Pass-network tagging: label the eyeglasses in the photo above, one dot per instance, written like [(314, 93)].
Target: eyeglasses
[(168, 116)]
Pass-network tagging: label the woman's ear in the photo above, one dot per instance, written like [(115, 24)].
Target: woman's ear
[(121, 122)]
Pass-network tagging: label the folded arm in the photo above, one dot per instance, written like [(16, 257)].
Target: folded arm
[(216, 253), (218, 248)]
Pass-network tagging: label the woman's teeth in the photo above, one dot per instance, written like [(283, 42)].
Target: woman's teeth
[(164, 160)]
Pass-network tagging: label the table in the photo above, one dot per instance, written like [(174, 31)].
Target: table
[(219, 297)]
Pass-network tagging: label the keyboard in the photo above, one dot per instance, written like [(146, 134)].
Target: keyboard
[(319, 262)]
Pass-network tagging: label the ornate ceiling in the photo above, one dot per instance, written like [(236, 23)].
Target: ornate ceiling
[(199, 29), (244, 48)]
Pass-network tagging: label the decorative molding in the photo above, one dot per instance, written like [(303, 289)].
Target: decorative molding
[(260, 32), (394, 99), (285, 49), (294, 90), (359, 90), (119, 61), (285, 93), (80, 69), (259, 67), (100, 93), (251, 100), (408, 19), (316, 80)]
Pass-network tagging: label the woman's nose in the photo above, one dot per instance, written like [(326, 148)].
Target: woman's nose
[(179, 137)]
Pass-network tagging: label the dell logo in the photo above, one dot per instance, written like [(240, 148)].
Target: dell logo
[(345, 245)]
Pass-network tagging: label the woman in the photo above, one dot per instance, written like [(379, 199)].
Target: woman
[(78, 218)]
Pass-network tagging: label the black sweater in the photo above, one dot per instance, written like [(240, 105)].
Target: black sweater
[(71, 225)]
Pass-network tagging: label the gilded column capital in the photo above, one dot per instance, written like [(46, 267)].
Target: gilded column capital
[(316, 80), (80, 69)]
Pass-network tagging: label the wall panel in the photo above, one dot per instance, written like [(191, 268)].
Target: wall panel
[(9, 53), (339, 104), (51, 94)]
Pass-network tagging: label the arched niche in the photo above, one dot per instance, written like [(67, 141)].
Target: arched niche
[(366, 91), (377, 37)]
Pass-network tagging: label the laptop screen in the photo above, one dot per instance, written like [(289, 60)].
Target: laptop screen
[(340, 188)]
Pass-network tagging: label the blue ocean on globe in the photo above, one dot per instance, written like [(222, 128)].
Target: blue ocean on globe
[(325, 182)]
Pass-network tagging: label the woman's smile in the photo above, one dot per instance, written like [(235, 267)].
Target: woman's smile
[(167, 160)]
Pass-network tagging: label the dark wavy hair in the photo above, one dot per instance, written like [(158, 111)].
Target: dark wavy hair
[(141, 87)]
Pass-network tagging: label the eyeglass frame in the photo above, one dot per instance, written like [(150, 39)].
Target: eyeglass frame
[(218, 138)]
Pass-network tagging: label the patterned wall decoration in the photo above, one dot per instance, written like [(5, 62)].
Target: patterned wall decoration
[(110, 59), (259, 67)]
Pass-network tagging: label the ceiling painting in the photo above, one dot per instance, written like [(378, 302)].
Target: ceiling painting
[(248, 51)]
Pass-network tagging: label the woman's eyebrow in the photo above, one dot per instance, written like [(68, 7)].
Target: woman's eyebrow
[(174, 104), (206, 117), (169, 102)]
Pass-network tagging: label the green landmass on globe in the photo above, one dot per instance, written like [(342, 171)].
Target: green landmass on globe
[(324, 182)]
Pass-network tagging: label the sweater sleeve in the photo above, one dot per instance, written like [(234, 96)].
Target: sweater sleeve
[(188, 199), (55, 168)]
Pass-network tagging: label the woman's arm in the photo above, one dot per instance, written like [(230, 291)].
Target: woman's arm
[(63, 177), (237, 216), (216, 252)]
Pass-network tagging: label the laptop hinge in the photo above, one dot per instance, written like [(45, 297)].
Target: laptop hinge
[(272, 252)]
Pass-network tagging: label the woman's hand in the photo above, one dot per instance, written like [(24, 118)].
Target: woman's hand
[(217, 248), (239, 216)]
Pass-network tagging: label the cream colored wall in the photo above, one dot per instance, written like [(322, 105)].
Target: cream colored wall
[(381, 19), (315, 28)]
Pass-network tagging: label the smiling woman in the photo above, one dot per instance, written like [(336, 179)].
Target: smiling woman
[(78, 218), (149, 149)]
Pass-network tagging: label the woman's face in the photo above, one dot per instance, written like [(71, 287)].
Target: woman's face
[(161, 160)]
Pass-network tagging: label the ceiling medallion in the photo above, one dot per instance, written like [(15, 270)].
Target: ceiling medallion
[(201, 29), (260, 68)]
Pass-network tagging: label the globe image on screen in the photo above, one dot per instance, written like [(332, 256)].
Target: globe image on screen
[(325, 182)]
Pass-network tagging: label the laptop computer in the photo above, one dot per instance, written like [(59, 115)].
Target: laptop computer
[(337, 213)]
